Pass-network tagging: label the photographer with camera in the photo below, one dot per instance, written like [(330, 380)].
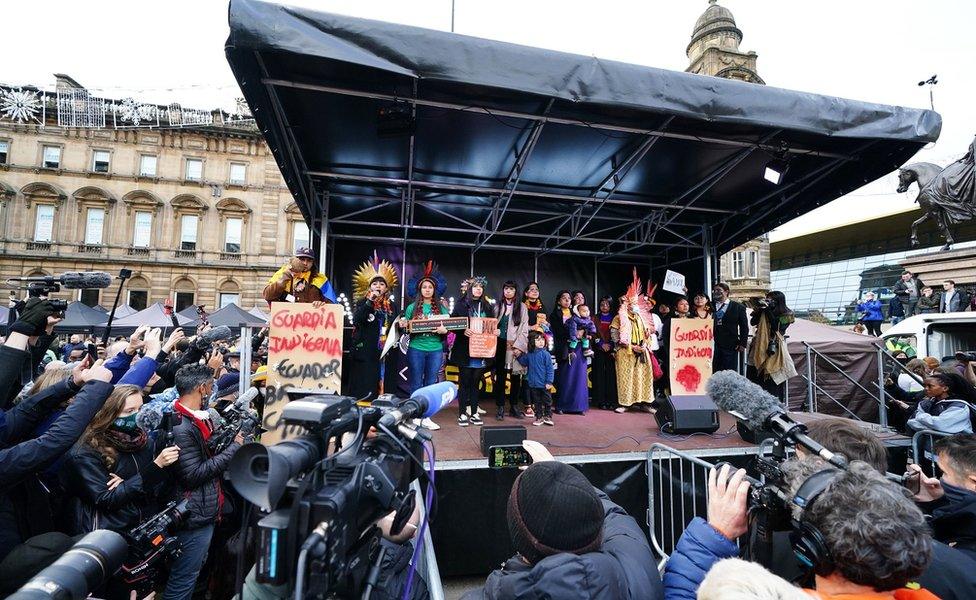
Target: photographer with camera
[(769, 361), (197, 476), (571, 541), (859, 533)]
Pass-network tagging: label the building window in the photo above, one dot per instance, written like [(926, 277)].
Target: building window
[(194, 169), (745, 264), (142, 233), (100, 161), (300, 237), (4, 152), (188, 232), (51, 158), (232, 235), (44, 223), (94, 226), (183, 300), (229, 298), (138, 299), (88, 296), (238, 173), (147, 165)]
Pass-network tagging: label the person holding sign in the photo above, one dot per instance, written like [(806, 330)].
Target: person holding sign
[(637, 335), (474, 305), (425, 355), (299, 281)]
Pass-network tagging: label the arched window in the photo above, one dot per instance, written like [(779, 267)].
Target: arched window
[(188, 211), (138, 292), (142, 209), (93, 205), (185, 291), (44, 201), (234, 215), (229, 292)]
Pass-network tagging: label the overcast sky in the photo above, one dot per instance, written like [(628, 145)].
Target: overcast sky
[(172, 51)]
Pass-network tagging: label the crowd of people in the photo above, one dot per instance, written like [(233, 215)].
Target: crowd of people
[(911, 297)]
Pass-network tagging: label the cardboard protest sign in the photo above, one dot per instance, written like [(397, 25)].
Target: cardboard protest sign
[(304, 354), (691, 352), (484, 342), (674, 282)]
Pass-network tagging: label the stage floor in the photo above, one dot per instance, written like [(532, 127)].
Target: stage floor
[(598, 432)]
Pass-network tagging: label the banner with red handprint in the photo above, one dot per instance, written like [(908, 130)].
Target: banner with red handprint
[(690, 357)]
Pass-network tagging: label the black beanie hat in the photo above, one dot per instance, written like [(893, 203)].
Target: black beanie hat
[(553, 509)]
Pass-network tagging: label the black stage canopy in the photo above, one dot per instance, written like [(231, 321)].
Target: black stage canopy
[(524, 149)]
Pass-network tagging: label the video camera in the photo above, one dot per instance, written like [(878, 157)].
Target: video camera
[(237, 417), (42, 286), (151, 544), (326, 533)]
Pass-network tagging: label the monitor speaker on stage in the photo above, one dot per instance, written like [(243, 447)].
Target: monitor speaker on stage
[(501, 435), (687, 414)]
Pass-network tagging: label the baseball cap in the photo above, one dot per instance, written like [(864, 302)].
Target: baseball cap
[(304, 253)]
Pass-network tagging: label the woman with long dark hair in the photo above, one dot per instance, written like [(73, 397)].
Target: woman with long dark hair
[(513, 339), (571, 385), (701, 307), (604, 372), (768, 357), (473, 304), (425, 355), (532, 299)]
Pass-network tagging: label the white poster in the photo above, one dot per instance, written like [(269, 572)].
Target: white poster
[(674, 282), (44, 226), (95, 225)]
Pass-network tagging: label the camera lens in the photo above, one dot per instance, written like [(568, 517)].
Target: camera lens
[(81, 569)]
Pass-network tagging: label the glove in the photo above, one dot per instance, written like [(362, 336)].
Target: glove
[(33, 317)]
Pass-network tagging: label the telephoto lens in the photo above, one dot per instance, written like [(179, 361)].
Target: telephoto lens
[(92, 560)]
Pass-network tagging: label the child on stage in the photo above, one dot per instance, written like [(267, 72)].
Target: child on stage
[(539, 377)]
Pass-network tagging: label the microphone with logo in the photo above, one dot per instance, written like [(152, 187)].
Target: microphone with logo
[(423, 404), (760, 410)]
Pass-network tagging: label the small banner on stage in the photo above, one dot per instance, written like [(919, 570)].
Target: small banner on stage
[(304, 354), (690, 356), (674, 282), (483, 343)]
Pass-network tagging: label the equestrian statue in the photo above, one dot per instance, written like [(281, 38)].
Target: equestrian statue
[(946, 196)]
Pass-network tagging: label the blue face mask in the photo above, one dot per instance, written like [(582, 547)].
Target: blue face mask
[(126, 424), (955, 493)]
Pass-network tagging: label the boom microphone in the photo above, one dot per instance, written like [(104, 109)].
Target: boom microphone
[(71, 281), (748, 402), (423, 404), (205, 339)]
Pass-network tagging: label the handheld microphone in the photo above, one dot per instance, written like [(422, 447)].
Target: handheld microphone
[(71, 281), (748, 402), (423, 404)]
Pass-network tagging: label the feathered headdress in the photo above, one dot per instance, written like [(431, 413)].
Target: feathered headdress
[(431, 274), (634, 289), (649, 296), (643, 295), (370, 270)]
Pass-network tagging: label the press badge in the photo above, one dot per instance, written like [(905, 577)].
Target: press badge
[(289, 298)]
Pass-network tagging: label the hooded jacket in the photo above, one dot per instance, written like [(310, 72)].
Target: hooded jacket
[(622, 569)]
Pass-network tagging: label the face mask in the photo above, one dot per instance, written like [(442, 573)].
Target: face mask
[(954, 493), (126, 424)]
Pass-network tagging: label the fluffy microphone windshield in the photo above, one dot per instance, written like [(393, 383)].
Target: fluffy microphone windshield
[(214, 335), (734, 393)]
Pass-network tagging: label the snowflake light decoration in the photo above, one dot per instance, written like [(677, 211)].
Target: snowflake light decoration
[(130, 111), (20, 105)]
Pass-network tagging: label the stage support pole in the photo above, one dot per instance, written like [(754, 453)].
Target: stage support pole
[(471, 270), (535, 268), (323, 233), (707, 251), (595, 303)]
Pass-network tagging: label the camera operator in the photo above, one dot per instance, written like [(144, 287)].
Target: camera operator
[(768, 358), (951, 501), (27, 540), (23, 350), (872, 540), (571, 541), (197, 478)]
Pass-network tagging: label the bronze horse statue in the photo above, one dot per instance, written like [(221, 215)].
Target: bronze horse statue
[(945, 195)]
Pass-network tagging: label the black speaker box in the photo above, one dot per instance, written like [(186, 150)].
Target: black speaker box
[(687, 414), (501, 435)]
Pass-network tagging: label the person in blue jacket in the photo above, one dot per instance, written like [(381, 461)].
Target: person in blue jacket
[(872, 314)]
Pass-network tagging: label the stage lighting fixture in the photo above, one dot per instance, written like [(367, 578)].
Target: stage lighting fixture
[(395, 120), (775, 171)]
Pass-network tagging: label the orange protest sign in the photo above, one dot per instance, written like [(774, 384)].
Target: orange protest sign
[(691, 348), (304, 354), (484, 342)]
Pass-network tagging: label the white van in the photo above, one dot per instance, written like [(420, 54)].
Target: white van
[(938, 334)]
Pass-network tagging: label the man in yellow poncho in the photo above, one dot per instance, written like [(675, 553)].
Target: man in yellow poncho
[(299, 281)]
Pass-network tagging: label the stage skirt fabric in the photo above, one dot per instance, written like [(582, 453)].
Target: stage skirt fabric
[(573, 395), (635, 379)]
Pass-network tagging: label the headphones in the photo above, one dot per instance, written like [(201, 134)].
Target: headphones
[(809, 545)]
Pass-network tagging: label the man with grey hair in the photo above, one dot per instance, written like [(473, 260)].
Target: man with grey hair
[(874, 539)]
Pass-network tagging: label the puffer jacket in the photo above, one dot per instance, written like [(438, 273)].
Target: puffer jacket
[(623, 568), (871, 310), (197, 473), (91, 505), (698, 549)]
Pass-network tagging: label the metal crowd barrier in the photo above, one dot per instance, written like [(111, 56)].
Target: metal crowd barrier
[(677, 485), (921, 455), (428, 559)]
